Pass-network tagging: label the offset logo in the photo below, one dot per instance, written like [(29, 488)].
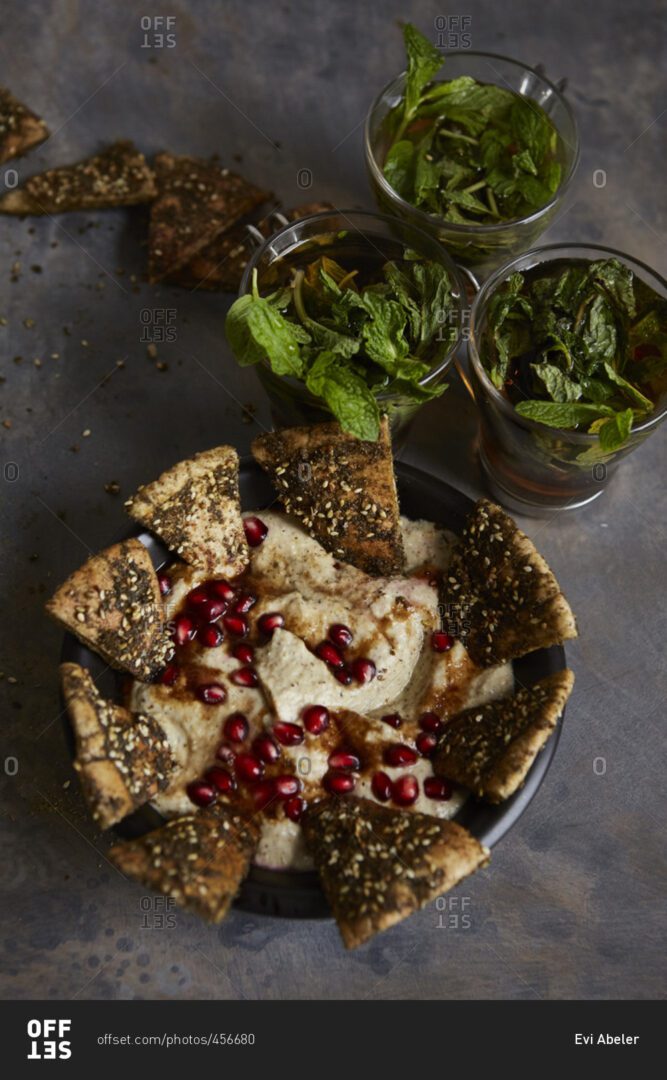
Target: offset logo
[(48, 1040)]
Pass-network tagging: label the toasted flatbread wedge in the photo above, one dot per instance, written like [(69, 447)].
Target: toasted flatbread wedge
[(378, 865), (119, 176), (195, 508), (123, 759), (219, 266), (20, 128), (341, 489), (112, 603), (200, 859), (503, 596), (489, 749), (197, 201)]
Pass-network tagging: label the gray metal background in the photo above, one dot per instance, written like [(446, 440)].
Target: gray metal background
[(570, 905)]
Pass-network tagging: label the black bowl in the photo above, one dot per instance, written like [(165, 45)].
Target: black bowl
[(297, 894)]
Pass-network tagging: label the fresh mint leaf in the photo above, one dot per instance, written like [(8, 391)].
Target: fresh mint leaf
[(599, 334), (346, 394), (399, 168), (557, 384), (257, 331), (383, 335), (615, 431), (561, 415), (424, 61), (641, 401)]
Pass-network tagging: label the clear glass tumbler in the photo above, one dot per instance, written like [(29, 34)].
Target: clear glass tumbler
[(480, 247), (353, 237), (530, 468)]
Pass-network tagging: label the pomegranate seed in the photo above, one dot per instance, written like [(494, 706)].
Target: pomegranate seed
[(329, 653), (235, 625), (441, 641), (393, 719), (226, 754), (288, 734), (196, 597), (287, 785), (244, 603), (244, 676), (343, 674), (244, 653), (164, 581), (201, 793), (404, 791), (341, 635), (221, 779), (211, 693), (211, 609), (265, 749), (339, 783), (437, 788), (430, 721), (255, 530), (210, 636), (294, 808), (236, 727), (248, 768), (426, 743), (169, 675), (364, 670), (381, 786), (399, 754), (269, 622), (184, 629), (316, 719), (223, 590), (343, 759), (263, 793)]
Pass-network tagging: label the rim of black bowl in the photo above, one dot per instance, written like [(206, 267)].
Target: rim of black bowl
[(297, 893)]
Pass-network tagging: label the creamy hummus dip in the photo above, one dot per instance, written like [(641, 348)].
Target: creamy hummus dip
[(393, 688)]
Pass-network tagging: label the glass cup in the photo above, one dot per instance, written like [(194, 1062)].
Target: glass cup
[(356, 236), (530, 468), (480, 247)]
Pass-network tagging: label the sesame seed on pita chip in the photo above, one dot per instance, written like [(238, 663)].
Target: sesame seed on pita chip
[(113, 605), (505, 598), (20, 128), (123, 759), (119, 176), (378, 865), (490, 748), (342, 490), (195, 508), (200, 859), (197, 201)]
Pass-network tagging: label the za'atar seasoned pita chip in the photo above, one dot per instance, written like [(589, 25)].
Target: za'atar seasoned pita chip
[(195, 508), (490, 748), (123, 759), (378, 865), (342, 490)]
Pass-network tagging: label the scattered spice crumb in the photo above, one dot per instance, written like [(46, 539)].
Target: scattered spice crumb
[(18, 359), (28, 323), (85, 343), (112, 488), (151, 351), (37, 362), (162, 365), (11, 680), (75, 448), (85, 434), (36, 268), (6, 424)]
